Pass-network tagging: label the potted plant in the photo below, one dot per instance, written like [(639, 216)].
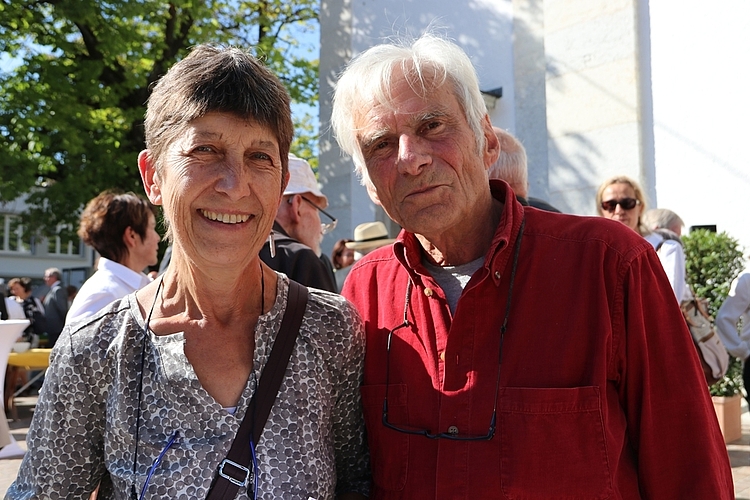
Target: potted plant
[(712, 262)]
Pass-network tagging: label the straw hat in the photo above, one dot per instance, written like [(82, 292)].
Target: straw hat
[(369, 236), (302, 180)]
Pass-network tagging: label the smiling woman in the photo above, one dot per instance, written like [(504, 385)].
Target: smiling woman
[(166, 376)]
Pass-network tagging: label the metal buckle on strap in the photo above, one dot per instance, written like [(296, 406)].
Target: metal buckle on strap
[(229, 478)]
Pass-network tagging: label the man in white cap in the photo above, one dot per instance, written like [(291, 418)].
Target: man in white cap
[(294, 245)]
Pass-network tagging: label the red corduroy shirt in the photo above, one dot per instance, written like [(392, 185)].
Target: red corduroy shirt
[(601, 394)]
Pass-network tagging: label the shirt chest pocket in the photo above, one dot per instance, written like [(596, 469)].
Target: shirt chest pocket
[(553, 444)]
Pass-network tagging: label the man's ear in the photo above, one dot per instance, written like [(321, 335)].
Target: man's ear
[(149, 177), (491, 143), (295, 208)]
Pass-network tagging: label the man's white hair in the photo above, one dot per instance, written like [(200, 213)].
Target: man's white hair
[(511, 164), (427, 63)]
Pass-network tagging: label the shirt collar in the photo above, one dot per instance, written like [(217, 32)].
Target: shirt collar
[(408, 250), (132, 278)]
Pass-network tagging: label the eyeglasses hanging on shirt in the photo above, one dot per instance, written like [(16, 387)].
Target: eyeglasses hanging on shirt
[(452, 432)]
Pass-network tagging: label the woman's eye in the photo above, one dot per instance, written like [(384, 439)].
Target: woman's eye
[(204, 149)]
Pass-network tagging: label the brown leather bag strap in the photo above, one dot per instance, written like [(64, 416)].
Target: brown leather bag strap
[(235, 470)]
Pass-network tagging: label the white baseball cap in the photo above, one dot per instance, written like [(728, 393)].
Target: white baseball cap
[(302, 180)]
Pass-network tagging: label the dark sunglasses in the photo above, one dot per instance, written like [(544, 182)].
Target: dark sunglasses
[(625, 203)]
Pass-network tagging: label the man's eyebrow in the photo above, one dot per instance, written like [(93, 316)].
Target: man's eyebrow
[(367, 142), (414, 121)]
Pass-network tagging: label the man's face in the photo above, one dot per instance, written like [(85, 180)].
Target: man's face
[(309, 231), (423, 160)]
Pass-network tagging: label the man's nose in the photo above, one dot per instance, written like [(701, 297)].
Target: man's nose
[(413, 154)]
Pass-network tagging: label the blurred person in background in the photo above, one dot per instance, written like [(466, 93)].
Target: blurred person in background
[(621, 198), (32, 307), (342, 258), (9, 307), (293, 247), (665, 230), (733, 324), (55, 304), (511, 166), (341, 255), (121, 227)]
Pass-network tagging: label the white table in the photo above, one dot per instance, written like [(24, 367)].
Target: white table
[(10, 330)]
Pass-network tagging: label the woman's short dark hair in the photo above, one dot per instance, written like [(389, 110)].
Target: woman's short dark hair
[(105, 219), (217, 79)]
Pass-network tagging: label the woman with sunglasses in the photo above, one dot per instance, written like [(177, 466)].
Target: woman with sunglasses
[(147, 396), (620, 198)]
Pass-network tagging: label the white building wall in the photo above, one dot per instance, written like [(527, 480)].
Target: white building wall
[(701, 77), (594, 105)]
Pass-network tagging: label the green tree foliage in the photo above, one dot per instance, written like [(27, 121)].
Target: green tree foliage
[(71, 111), (712, 262)]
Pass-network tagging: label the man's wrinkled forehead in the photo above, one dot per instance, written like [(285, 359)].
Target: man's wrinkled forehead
[(404, 105)]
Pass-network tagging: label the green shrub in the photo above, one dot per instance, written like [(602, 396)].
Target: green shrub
[(713, 260)]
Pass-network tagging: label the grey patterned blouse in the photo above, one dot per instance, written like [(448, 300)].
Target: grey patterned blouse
[(84, 427)]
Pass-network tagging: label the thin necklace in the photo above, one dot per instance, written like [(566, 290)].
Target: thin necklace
[(140, 388)]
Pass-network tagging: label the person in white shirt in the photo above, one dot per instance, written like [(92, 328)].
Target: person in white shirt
[(122, 229), (666, 230), (736, 307), (9, 309)]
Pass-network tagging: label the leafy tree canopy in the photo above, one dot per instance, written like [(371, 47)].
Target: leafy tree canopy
[(71, 113)]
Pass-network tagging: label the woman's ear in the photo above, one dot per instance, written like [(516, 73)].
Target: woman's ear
[(149, 176), (129, 238)]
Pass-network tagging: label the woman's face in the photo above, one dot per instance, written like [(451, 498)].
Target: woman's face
[(146, 249), (220, 186), (347, 257), (19, 291), (622, 193)]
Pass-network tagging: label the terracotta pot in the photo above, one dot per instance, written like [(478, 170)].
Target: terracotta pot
[(729, 413)]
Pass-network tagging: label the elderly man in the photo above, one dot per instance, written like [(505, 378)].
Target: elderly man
[(511, 166), (511, 353), (294, 245), (55, 304)]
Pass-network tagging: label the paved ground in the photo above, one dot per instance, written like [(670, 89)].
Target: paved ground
[(739, 451)]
